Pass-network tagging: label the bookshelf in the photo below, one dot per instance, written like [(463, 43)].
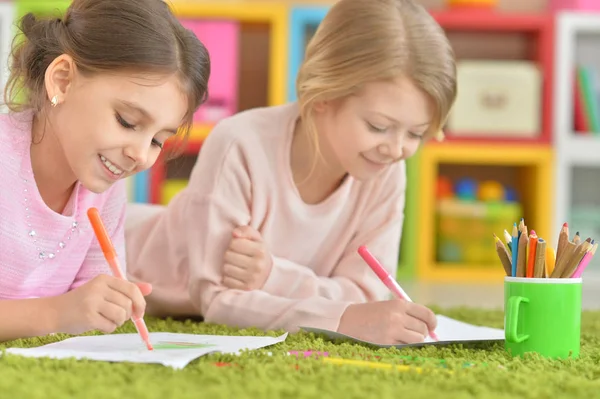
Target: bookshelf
[(576, 195)]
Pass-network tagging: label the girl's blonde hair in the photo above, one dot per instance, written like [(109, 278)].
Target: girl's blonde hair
[(361, 41)]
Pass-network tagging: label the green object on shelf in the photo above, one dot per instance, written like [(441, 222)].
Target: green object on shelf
[(465, 229)]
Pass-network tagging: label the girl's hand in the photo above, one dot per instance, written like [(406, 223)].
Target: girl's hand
[(103, 304), (248, 263), (388, 322)]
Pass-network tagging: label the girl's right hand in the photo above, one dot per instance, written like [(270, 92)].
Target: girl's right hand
[(396, 321), (103, 304)]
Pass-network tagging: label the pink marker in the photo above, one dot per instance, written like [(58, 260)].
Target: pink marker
[(387, 279)]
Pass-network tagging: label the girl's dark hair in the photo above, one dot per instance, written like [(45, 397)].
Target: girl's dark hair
[(107, 35)]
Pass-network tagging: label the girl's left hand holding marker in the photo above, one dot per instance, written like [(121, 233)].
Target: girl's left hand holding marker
[(247, 262)]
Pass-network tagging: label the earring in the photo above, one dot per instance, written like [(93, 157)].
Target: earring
[(54, 101)]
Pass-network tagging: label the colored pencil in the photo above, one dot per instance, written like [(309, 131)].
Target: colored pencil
[(375, 365), (521, 226), (577, 238), (563, 261), (522, 256), (508, 241), (540, 258), (503, 255), (531, 246), (563, 238), (515, 249)]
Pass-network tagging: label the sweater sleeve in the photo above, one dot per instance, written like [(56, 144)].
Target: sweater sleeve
[(217, 202), (352, 279), (112, 213)]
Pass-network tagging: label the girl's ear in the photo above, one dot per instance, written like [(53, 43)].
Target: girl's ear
[(58, 78), (320, 106)]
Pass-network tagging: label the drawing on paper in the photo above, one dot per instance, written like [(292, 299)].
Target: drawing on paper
[(180, 345)]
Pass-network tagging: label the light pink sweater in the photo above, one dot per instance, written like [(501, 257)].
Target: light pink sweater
[(243, 177), (43, 253)]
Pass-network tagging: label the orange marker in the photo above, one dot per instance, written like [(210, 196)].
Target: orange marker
[(533, 239), (111, 257)]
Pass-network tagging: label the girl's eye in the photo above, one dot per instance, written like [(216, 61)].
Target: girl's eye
[(124, 123), (157, 143), (376, 129), (415, 136)]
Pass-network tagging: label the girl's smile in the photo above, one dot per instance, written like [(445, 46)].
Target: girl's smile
[(113, 170)]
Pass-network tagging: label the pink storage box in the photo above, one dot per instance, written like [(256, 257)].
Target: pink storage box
[(579, 5), (221, 39)]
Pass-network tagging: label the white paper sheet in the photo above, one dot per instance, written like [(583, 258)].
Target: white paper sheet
[(170, 349), (448, 331)]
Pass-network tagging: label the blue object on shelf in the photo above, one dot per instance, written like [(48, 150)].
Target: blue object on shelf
[(510, 194), (300, 18), (466, 189)]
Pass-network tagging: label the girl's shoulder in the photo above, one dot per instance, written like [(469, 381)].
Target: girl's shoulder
[(15, 129), (255, 125)]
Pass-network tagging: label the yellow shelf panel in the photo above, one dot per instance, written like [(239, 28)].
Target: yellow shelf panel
[(487, 154), (239, 10)]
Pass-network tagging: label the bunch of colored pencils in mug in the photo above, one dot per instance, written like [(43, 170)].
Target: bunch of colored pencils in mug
[(527, 255)]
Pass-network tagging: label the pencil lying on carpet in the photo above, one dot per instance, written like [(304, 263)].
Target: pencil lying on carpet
[(374, 365)]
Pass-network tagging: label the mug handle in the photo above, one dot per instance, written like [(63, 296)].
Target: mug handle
[(512, 319)]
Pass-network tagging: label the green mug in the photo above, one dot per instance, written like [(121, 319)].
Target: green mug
[(542, 315)]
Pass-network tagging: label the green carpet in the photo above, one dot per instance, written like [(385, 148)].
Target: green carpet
[(260, 374)]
